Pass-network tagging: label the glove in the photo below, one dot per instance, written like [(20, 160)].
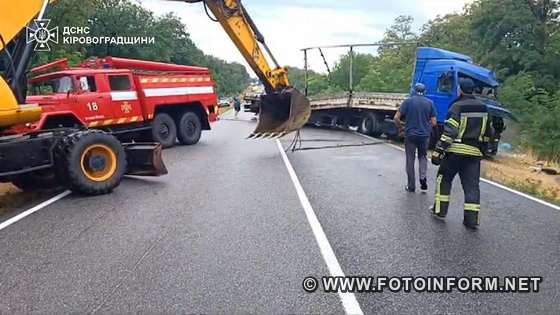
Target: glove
[(437, 156)]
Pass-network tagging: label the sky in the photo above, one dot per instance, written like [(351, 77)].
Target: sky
[(290, 25)]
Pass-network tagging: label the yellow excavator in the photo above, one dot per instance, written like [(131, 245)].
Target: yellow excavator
[(92, 161)]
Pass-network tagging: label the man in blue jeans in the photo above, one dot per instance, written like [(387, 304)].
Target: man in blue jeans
[(419, 114)]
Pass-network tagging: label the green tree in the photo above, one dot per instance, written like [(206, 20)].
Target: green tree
[(319, 83), (297, 77), (538, 112), (231, 78), (361, 64), (450, 32), (67, 13), (400, 31), (316, 83), (391, 70), (514, 35)]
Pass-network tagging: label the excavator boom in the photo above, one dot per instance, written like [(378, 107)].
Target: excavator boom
[(13, 20), (283, 109)]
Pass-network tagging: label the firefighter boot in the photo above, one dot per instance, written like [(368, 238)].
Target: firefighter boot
[(471, 219), (441, 214)]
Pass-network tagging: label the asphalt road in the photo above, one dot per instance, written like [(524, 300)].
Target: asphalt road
[(226, 232)]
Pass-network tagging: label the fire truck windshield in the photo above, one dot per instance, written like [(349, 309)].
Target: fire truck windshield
[(54, 86)]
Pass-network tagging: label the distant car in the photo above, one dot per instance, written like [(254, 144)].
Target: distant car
[(224, 102)]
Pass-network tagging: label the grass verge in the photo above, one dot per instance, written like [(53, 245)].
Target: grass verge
[(519, 173)]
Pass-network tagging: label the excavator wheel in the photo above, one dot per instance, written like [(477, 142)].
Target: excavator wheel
[(90, 162)]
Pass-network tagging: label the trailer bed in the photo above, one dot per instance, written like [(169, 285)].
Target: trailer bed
[(364, 100)]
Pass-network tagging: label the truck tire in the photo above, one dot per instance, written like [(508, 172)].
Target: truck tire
[(35, 181), (189, 128), (371, 125), (90, 162), (164, 130)]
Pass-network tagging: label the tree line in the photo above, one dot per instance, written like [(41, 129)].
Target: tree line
[(518, 39), (115, 18)]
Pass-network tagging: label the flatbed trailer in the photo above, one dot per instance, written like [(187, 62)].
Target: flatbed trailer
[(370, 112)]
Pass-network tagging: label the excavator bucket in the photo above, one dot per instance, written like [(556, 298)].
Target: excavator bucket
[(144, 159), (281, 113)]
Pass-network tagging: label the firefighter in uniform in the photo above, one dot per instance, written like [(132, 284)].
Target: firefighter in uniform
[(466, 132)]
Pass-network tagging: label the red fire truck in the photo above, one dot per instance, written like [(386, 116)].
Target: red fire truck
[(134, 100)]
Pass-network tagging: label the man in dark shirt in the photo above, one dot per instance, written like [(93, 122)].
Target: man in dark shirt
[(419, 114)]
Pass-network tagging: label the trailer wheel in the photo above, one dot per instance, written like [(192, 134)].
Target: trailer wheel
[(164, 130), (371, 125), (190, 128), (91, 162)]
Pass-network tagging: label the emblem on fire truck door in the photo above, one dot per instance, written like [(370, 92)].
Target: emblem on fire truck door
[(126, 107)]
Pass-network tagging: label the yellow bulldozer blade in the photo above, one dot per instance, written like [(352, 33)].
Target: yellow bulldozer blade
[(144, 159), (281, 113)]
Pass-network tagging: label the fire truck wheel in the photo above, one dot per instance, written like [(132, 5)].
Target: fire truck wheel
[(190, 128), (164, 130), (91, 162)]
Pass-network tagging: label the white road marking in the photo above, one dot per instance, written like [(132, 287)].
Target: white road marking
[(349, 302), (542, 202), (493, 183), (38, 207)]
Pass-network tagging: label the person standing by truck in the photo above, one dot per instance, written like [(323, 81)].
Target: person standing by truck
[(420, 115), (467, 131), (236, 105)]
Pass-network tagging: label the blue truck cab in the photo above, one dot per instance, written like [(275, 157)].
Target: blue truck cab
[(440, 70)]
